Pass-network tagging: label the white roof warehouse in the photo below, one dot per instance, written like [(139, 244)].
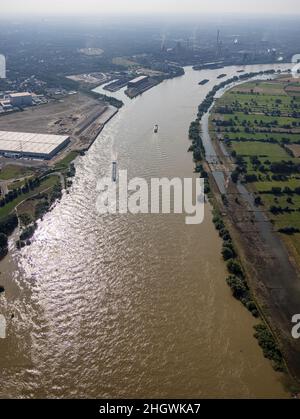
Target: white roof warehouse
[(40, 146)]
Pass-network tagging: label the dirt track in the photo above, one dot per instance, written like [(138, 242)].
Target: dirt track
[(71, 111)]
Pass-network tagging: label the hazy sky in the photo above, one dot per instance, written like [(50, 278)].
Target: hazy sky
[(146, 6)]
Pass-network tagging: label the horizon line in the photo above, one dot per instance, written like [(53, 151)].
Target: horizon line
[(147, 14)]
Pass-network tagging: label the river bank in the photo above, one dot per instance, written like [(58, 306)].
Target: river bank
[(28, 187), (273, 278)]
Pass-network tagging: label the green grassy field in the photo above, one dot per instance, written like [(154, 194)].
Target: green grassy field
[(240, 117), (280, 138), (256, 120), (14, 172), (64, 163), (283, 201), (265, 185), (257, 101), (254, 148), (17, 184), (45, 184)]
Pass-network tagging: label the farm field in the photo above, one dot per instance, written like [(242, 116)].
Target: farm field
[(280, 138), (47, 184), (260, 149), (259, 120), (259, 123), (13, 171)]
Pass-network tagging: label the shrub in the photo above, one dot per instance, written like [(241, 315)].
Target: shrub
[(258, 201), (27, 233), (238, 287), (25, 219), (227, 253), (269, 346), (235, 268), (251, 306), (228, 243), (8, 224), (224, 234), (3, 240), (289, 230), (235, 176), (219, 224)]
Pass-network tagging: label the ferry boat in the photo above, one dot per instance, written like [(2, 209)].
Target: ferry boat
[(114, 171), (203, 82)]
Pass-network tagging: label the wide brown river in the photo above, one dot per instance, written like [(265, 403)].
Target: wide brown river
[(130, 306)]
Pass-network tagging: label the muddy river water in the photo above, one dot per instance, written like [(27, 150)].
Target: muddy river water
[(130, 305)]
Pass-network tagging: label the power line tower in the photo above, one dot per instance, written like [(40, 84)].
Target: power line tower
[(219, 44), (188, 43), (163, 43)]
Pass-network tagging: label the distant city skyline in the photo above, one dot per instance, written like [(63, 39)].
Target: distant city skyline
[(287, 7)]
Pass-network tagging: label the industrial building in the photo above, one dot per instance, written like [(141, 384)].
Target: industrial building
[(137, 81), (24, 144), (20, 99), (5, 105)]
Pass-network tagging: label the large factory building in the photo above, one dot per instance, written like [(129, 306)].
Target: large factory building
[(38, 146), (137, 81), (19, 100)]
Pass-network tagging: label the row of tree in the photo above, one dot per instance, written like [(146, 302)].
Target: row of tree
[(208, 101), (197, 145), (7, 227), (29, 185)]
